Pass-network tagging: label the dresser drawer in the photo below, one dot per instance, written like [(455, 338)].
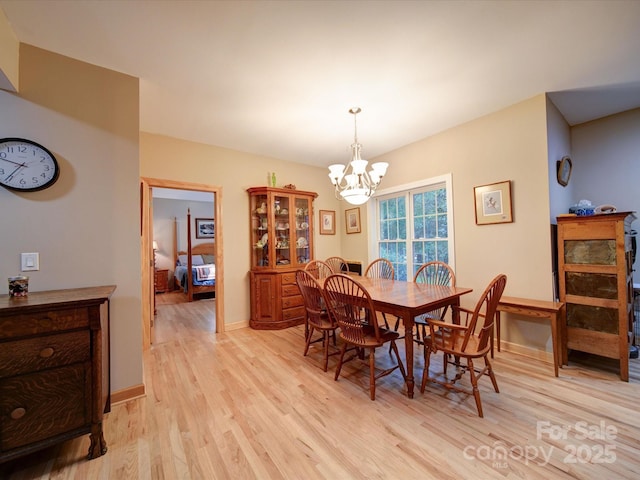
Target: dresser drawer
[(288, 278), (290, 290), (38, 406), (293, 301), (32, 354), (44, 322), (293, 313)]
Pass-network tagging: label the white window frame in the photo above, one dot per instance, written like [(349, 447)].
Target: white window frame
[(372, 215)]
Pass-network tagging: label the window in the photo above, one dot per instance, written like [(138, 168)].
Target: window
[(414, 226)]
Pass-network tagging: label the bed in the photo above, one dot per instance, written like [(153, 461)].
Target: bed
[(195, 268)]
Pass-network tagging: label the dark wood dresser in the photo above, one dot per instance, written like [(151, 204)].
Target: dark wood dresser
[(54, 369), (161, 280)]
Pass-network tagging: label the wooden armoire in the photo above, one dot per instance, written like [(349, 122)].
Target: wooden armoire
[(596, 283)]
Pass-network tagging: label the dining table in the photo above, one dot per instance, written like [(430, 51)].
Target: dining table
[(408, 300)]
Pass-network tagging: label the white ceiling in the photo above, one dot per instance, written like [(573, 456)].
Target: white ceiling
[(277, 78)]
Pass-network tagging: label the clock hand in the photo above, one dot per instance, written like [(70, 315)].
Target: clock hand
[(11, 161), (15, 171)]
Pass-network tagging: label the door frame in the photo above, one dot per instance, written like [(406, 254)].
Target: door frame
[(146, 238)]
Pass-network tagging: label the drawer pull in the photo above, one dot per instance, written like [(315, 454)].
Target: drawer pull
[(46, 352), (18, 413)]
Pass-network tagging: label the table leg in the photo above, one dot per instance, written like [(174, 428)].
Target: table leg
[(554, 342), (497, 328), (455, 318), (407, 320), (564, 354)]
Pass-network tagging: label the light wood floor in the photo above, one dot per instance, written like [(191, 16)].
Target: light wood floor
[(247, 405)]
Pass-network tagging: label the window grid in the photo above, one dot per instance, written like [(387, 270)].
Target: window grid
[(427, 238)]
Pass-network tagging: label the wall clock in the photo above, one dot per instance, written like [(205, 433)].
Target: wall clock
[(564, 171), (26, 166)]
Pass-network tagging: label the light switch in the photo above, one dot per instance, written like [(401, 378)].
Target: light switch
[(30, 261)]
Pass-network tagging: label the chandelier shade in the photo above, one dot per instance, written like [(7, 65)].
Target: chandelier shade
[(352, 182)]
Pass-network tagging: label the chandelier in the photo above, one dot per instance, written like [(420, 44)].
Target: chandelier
[(353, 183)]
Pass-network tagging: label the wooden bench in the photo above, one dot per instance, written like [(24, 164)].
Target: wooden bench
[(538, 309)]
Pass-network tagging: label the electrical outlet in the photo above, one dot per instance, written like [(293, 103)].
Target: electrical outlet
[(30, 261)]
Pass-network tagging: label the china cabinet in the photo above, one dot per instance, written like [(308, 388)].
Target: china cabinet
[(281, 242), (596, 284)]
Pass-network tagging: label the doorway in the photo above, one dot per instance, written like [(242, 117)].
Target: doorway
[(146, 235)]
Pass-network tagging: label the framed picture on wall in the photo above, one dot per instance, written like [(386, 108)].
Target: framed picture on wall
[(493, 203), (205, 228), (352, 217), (327, 222)]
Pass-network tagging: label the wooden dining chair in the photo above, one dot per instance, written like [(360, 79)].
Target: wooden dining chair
[(462, 343), (351, 305), (319, 269), (381, 268), (432, 273), (337, 264), (318, 317)]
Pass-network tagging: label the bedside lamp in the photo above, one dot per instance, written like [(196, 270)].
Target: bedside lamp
[(155, 247)]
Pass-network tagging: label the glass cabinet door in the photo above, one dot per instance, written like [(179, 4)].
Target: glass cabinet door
[(281, 228), (259, 231), (281, 207), (303, 238)]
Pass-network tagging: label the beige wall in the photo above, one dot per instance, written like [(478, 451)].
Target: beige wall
[(606, 164), (559, 145), (9, 54), (86, 227), (169, 158), (506, 145)]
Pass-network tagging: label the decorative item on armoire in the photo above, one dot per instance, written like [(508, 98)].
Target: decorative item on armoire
[(583, 208)]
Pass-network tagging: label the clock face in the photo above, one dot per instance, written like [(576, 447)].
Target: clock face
[(26, 166), (564, 171)]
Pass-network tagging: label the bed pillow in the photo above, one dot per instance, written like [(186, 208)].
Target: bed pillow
[(208, 259), (195, 260)]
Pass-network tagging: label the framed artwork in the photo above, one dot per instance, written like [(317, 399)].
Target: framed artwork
[(327, 222), (493, 203), (205, 228), (352, 217)]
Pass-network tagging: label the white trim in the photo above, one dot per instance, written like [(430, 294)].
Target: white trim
[(447, 179)]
